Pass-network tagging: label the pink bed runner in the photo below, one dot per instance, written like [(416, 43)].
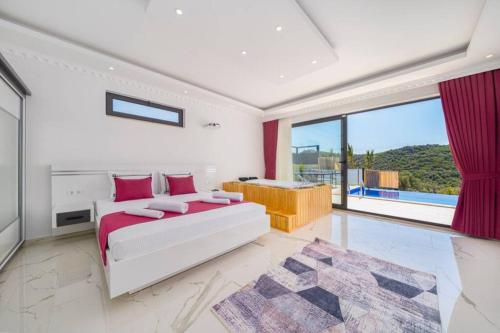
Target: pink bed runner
[(114, 221)]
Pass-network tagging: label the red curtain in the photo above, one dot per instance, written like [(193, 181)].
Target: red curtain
[(270, 147), (472, 112)]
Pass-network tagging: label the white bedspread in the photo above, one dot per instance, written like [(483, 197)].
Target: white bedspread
[(147, 237)]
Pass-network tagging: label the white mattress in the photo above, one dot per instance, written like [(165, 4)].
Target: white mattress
[(280, 183), (147, 237)]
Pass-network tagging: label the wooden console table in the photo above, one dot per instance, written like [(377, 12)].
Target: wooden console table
[(289, 208)]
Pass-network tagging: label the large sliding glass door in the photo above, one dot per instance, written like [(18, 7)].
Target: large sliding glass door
[(11, 164), (399, 162), (319, 155), (403, 161)]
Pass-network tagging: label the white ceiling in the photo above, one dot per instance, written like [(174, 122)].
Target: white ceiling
[(350, 40)]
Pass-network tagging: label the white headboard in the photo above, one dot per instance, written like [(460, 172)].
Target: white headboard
[(76, 188)]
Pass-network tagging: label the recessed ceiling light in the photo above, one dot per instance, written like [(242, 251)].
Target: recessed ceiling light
[(279, 28), (111, 68), (489, 56), (179, 11), (282, 76), (243, 52), (314, 62), (185, 91)]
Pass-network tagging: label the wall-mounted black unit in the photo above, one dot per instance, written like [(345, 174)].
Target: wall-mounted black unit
[(70, 218)]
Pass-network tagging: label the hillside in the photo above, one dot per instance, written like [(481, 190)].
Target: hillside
[(426, 168)]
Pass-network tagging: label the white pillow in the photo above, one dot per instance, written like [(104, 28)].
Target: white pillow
[(128, 175), (163, 179)]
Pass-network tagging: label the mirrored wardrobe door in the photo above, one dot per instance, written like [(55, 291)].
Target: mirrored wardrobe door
[(11, 228)]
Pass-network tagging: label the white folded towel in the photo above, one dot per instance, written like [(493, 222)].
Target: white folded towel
[(157, 214), (216, 201), (169, 206), (235, 196)]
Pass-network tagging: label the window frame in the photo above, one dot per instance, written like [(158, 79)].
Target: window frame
[(345, 137), (410, 220), (343, 152), (110, 96)]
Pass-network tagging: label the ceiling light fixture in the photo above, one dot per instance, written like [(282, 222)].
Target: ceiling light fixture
[(185, 91), (314, 62), (279, 28), (243, 52), (282, 76), (111, 68), (179, 11), (489, 56)]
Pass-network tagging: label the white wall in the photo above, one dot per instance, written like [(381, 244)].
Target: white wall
[(67, 124)]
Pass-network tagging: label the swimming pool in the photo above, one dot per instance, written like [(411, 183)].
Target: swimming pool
[(432, 198)]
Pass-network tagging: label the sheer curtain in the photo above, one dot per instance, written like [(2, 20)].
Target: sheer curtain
[(284, 167)]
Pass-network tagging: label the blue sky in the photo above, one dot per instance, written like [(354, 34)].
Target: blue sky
[(394, 127), (144, 111)]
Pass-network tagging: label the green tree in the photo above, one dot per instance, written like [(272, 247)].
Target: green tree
[(301, 169), (404, 180), (350, 157), (427, 168), (449, 190), (369, 158)]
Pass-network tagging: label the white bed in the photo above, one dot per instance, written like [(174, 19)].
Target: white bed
[(143, 254)]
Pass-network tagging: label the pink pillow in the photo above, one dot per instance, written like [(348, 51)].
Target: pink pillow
[(132, 189), (180, 185)]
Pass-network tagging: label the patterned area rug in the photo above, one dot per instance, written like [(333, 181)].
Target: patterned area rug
[(328, 289)]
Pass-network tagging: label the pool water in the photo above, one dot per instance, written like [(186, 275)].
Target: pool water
[(432, 198)]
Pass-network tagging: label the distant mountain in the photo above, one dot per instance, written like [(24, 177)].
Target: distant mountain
[(425, 168)]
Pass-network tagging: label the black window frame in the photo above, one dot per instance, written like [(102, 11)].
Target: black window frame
[(343, 152), (415, 221), (345, 142), (113, 96)]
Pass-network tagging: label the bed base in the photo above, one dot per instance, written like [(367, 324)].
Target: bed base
[(134, 274)]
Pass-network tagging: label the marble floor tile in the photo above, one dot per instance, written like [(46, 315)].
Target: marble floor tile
[(59, 286)]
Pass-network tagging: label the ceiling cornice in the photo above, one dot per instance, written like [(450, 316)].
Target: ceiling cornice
[(411, 85), (79, 47), (313, 102), (124, 81), (327, 98), (303, 101)]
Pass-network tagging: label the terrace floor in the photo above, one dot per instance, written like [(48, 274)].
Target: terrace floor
[(415, 211)]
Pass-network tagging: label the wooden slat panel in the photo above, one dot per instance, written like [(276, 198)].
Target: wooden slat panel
[(289, 208), (389, 179), (382, 178)]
